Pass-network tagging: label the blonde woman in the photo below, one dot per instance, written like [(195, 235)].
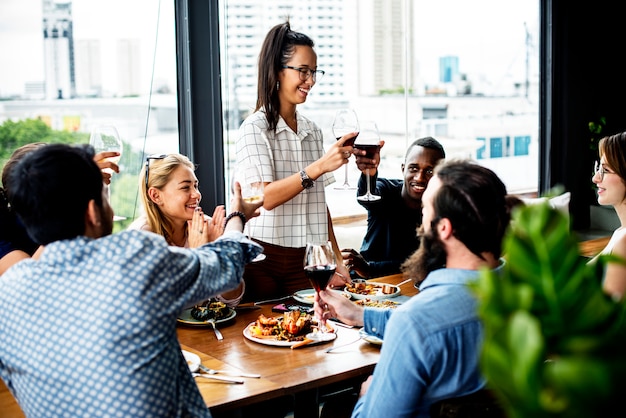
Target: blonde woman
[(171, 204)]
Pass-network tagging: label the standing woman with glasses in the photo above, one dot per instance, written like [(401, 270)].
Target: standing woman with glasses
[(171, 204), (288, 149), (610, 178)]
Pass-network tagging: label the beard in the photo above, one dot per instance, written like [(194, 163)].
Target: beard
[(430, 256)]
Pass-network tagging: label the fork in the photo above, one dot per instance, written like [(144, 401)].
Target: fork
[(227, 373), (218, 334)]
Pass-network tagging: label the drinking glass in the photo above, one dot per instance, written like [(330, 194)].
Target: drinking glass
[(252, 188), (319, 266), (249, 177), (106, 138), (345, 122), (368, 141)]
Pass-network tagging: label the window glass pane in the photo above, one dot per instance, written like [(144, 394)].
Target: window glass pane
[(82, 63), (442, 68)]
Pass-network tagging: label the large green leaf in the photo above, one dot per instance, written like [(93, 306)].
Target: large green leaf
[(554, 341)]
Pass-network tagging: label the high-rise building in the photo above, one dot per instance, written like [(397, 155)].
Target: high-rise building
[(384, 28), (128, 67), (449, 69), (88, 68), (58, 49)]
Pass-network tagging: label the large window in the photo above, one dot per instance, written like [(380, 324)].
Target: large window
[(77, 64), (441, 68)]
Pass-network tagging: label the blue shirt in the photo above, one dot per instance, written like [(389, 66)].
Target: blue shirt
[(391, 235), (90, 329), (431, 348)]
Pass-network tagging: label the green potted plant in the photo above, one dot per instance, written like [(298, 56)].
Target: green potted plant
[(554, 342)]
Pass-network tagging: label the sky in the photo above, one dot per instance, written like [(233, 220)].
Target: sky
[(488, 44)]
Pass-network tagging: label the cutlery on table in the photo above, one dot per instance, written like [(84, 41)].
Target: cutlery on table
[(220, 378), (218, 334), (331, 349), (227, 373)]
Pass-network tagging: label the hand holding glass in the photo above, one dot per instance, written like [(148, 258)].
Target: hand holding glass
[(105, 138), (368, 141), (319, 266), (345, 123), (249, 177)]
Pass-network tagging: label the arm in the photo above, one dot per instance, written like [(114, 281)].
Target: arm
[(615, 275), (11, 258), (283, 190)]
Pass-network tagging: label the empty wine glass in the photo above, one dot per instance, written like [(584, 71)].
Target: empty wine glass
[(106, 138), (368, 141), (319, 266), (345, 122)]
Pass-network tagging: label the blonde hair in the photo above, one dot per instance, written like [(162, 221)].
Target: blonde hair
[(159, 174)]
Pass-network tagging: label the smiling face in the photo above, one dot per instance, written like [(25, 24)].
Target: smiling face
[(292, 90), (611, 189), (179, 198), (428, 210), (417, 171)]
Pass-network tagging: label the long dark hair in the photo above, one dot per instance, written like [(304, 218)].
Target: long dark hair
[(278, 47)]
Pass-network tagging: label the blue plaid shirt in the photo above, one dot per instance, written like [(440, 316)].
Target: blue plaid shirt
[(431, 348), (90, 328)]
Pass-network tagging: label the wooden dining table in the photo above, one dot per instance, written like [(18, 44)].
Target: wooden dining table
[(303, 375)]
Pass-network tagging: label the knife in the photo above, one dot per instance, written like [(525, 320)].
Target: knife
[(220, 378), (227, 373)]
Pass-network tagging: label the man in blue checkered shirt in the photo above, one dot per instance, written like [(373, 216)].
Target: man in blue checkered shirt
[(89, 329)]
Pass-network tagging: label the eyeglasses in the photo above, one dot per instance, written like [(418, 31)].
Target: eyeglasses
[(147, 170), (599, 169), (305, 73)]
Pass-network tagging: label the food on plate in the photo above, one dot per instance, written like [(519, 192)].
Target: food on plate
[(365, 288), (292, 326), (210, 309), (377, 303)]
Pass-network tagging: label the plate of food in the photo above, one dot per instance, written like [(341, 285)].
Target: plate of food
[(305, 296), (204, 313), (381, 303), (372, 339), (372, 291), (287, 330)]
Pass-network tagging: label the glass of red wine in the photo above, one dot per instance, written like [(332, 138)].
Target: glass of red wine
[(345, 123), (368, 141), (319, 266)]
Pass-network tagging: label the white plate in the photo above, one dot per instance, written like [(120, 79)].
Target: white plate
[(271, 341), (305, 296), (372, 339), (379, 295), (193, 361), (185, 318)]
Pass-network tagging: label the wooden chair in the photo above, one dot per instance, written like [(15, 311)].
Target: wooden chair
[(481, 404)]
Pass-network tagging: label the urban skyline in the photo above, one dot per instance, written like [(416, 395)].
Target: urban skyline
[(88, 29)]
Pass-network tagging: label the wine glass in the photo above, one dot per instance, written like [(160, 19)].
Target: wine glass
[(345, 122), (319, 266), (252, 188), (105, 138), (368, 141)]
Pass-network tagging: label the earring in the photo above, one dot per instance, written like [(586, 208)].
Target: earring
[(277, 85)]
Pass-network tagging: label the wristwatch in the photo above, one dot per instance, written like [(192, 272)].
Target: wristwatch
[(307, 183)]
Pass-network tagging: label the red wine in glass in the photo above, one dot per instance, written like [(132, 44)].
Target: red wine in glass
[(319, 275), (370, 150)]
